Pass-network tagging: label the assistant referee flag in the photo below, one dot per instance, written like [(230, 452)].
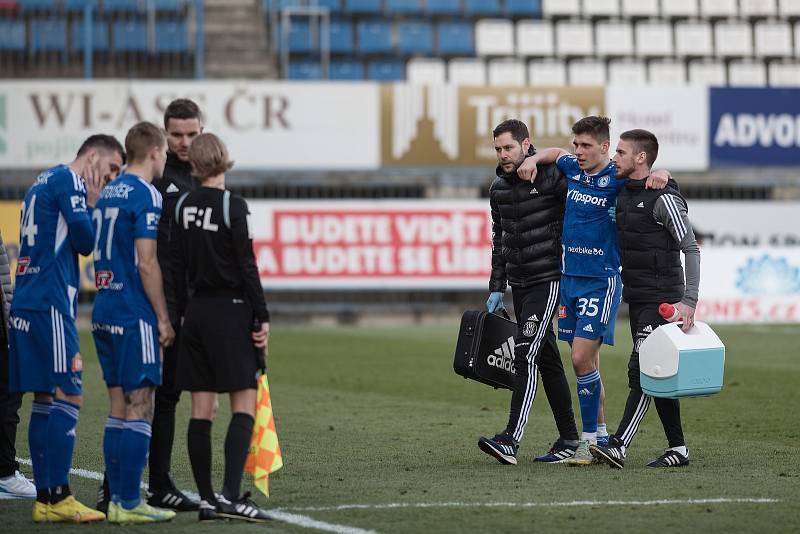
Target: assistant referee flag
[(264, 456)]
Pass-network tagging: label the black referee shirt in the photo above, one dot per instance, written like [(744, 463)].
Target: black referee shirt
[(214, 248)]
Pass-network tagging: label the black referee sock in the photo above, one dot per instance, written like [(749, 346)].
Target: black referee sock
[(199, 437), (237, 441)]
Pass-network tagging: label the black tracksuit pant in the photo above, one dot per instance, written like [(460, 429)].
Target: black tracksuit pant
[(9, 413)]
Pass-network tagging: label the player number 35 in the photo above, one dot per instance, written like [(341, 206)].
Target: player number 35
[(588, 307)]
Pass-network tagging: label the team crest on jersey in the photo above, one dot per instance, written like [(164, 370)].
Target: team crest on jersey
[(77, 363), (603, 181), (103, 279), (562, 312)]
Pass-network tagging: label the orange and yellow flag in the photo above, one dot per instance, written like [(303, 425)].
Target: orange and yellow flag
[(264, 456)]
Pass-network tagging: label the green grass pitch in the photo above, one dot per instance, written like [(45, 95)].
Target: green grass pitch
[(377, 418)]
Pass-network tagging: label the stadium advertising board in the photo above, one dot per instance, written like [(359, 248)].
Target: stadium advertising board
[(754, 126), (676, 115), (280, 125), (446, 125), (745, 224)]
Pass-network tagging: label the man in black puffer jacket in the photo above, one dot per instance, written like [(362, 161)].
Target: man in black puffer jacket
[(526, 254)]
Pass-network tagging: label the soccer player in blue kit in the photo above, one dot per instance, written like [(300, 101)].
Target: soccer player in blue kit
[(130, 322), (44, 351), (591, 287)]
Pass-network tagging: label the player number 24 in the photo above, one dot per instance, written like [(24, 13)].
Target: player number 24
[(588, 306), (110, 214)]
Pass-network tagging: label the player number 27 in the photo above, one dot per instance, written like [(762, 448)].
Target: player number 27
[(110, 214), (588, 306)]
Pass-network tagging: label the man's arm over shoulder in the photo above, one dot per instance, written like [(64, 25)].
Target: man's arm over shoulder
[(528, 169), (670, 210)]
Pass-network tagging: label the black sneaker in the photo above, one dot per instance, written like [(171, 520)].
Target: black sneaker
[(172, 498), (670, 458), (208, 512), (502, 446), (560, 452), (612, 454), (243, 508), (103, 496)]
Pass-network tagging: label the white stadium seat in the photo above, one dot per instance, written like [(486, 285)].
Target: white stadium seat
[(574, 38), (707, 72), (561, 8), (788, 9), (772, 39), (693, 39), (613, 38), (747, 73), (506, 71), (666, 72), (784, 74), (466, 71), (428, 71), (653, 39), (639, 8), (712, 9), (494, 37), (679, 8), (547, 72), (600, 8), (733, 39), (587, 72), (535, 38), (627, 72), (758, 8)]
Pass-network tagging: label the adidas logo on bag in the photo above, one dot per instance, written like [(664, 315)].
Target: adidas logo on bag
[(588, 328), (503, 357)]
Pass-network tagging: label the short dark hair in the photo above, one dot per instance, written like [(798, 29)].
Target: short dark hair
[(141, 138), (106, 143), (182, 108), (595, 126), (644, 141), (515, 127)]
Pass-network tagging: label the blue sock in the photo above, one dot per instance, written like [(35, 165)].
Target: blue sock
[(589, 398), (113, 433), (37, 442), (134, 445), (61, 441)]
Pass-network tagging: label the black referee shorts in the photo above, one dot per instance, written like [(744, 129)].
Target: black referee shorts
[(216, 350)]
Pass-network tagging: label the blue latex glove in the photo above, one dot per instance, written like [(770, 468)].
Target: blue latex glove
[(495, 302)]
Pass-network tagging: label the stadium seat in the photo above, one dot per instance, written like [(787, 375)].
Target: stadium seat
[(130, 36), (374, 37), (789, 9), (122, 6), (346, 69), (784, 74), (168, 6), (747, 73), (466, 71), (523, 8), (693, 39), (386, 70), (494, 37), (443, 7), (304, 69), (679, 9), (613, 38), (172, 36), (341, 37), (627, 72), (707, 72), (574, 38), (99, 35), (666, 72), (79, 5), (407, 7), (429, 71), (455, 38), (714, 9), (48, 35), (535, 38), (37, 5), (334, 6), (772, 39), (584, 72), (544, 72), (561, 8), (733, 39), (415, 37), (757, 8), (299, 39), (653, 39), (600, 8), (506, 71), (12, 35), (369, 7), (482, 8), (639, 8)]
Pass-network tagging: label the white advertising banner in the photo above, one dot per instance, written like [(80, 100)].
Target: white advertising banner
[(266, 125), (746, 223), (678, 116)]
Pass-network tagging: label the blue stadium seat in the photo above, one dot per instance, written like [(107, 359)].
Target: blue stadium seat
[(99, 35), (123, 6), (346, 69), (386, 70), (12, 35), (444, 7), (37, 5), (130, 36), (341, 37), (305, 69), (167, 6), (78, 5), (456, 38), (524, 8), (482, 7), (333, 5), (403, 6), (172, 36), (415, 38), (363, 6), (374, 37), (48, 35), (299, 36)]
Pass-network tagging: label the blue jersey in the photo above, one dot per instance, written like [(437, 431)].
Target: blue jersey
[(589, 240), (54, 228), (129, 209)]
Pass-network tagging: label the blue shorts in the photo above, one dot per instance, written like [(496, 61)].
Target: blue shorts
[(129, 354), (589, 307), (44, 353)]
